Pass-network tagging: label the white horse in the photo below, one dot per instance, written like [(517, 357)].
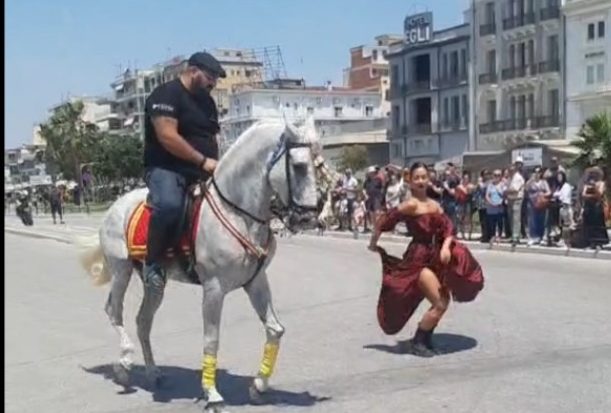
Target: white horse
[(271, 161)]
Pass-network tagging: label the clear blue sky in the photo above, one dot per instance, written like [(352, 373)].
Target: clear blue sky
[(58, 47)]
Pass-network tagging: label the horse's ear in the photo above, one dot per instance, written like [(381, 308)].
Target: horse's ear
[(291, 130), (309, 130)]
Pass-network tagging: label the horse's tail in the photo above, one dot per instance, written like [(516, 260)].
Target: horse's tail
[(92, 259)]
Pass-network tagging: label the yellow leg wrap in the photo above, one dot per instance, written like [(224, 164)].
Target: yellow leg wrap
[(208, 371), (270, 353)]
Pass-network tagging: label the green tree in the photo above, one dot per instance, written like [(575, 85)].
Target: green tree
[(353, 157), (70, 140), (119, 157)]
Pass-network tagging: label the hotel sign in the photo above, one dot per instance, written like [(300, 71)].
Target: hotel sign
[(418, 28)]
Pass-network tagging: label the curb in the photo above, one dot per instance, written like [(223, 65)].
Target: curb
[(558, 252), (574, 253), (38, 235)]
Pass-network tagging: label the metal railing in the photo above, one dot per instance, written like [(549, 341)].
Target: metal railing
[(549, 66), (518, 21), (486, 29), (485, 78), (549, 13), (520, 123), (519, 71), (420, 129), (452, 80)]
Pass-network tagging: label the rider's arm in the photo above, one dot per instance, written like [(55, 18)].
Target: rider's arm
[(163, 106)]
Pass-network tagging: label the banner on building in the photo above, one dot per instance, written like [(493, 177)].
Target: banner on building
[(530, 156)]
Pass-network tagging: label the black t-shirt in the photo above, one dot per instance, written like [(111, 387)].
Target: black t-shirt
[(452, 182), (431, 193), (197, 122)]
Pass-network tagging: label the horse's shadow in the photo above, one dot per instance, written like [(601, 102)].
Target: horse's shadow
[(445, 343), (183, 383)]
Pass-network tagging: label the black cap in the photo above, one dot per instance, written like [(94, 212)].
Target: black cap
[(205, 61)]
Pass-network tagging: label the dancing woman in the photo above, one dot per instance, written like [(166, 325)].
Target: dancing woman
[(434, 266)]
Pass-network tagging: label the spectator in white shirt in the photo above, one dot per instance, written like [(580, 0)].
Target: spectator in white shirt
[(350, 188), (515, 196), (564, 195)]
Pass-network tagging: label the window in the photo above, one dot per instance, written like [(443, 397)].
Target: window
[(492, 61), (600, 73), (446, 111), (490, 13), (455, 110), (397, 150), (394, 76), (591, 31), (463, 62), (531, 106), (513, 107), (454, 64), (368, 110), (465, 109), (445, 66), (512, 55), (337, 110), (590, 75), (554, 103), (492, 111), (395, 117), (374, 72), (375, 55), (553, 48), (601, 29), (295, 106), (310, 110)]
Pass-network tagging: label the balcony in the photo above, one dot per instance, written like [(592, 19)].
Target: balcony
[(420, 129), (419, 86), (518, 21), (547, 121), (549, 66), (487, 29), (491, 127), (550, 13), (452, 80), (519, 71), (486, 78)]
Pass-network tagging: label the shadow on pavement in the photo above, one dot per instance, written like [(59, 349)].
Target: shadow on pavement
[(182, 383), (445, 343)]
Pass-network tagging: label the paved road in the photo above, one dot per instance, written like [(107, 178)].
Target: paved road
[(538, 339)]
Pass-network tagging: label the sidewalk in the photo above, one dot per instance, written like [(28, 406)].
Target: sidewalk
[(475, 245), (89, 224)]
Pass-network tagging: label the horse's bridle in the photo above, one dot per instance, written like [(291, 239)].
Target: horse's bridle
[(279, 208)]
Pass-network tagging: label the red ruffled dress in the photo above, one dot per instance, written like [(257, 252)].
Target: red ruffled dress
[(400, 294)]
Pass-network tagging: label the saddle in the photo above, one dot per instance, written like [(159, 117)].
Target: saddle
[(183, 238)]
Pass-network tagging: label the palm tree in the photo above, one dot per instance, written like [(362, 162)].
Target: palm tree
[(70, 140), (594, 141)]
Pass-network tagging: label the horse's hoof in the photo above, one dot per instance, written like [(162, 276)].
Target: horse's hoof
[(215, 407), (121, 374), (256, 397)]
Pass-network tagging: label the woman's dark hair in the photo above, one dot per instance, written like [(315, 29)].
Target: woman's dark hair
[(483, 173), (417, 165), (563, 175)]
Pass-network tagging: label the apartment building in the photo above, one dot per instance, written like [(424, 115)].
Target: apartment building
[(588, 61), (429, 90), (517, 87)]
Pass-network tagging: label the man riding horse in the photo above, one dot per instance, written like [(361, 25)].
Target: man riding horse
[(181, 123)]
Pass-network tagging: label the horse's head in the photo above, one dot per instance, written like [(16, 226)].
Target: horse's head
[(292, 176)]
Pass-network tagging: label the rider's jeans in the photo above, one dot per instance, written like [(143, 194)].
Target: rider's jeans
[(166, 197)]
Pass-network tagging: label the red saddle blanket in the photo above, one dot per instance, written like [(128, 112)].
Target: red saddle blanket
[(138, 228)]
